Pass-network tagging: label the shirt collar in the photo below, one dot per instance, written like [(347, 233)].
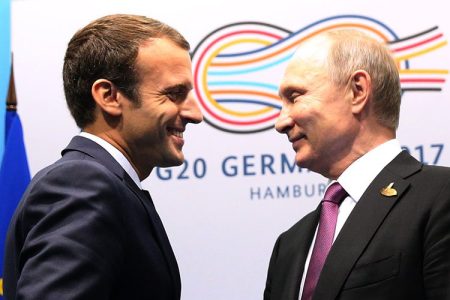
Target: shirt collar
[(358, 176), (116, 154)]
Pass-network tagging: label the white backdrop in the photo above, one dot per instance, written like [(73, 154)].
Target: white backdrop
[(222, 227)]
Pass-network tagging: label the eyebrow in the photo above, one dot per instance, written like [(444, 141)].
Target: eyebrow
[(179, 86)]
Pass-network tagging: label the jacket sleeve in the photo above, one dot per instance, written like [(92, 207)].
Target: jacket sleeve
[(436, 265), (72, 234)]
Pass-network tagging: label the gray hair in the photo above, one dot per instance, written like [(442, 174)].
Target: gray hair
[(353, 50)]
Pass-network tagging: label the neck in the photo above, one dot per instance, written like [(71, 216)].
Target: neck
[(112, 137), (360, 147)]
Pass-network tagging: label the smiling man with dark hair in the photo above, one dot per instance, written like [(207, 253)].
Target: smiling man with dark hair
[(84, 228)]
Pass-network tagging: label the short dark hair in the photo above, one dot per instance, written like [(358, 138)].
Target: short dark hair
[(107, 48)]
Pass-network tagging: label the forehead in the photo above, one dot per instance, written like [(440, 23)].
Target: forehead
[(162, 45), (315, 48), (159, 57), (308, 64)]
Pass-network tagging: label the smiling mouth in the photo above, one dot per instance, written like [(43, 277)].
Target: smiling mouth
[(298, 138), (176, 132)]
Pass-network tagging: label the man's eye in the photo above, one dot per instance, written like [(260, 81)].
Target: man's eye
[(293, 97), (176, 94)]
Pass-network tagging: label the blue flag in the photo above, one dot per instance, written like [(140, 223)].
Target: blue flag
[(14, 177)]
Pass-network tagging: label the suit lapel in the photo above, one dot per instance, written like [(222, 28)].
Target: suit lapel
[(159, 231), (87, 147), (362, 224)]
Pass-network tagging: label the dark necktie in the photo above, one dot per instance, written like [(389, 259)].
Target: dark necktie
[(324, 239)]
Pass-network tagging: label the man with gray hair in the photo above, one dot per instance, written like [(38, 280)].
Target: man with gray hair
[(382, 230), (84, 228)]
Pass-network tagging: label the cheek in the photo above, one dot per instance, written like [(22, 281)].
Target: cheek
[(167, 111), (308, 107), (299, 112), (306, 116)]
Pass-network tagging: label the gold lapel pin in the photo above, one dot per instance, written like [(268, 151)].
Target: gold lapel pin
[(389, 191)]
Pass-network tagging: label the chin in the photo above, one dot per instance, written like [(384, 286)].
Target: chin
[(173, 161), (300, 160), (178, 163), (176, 160), (304, 164)]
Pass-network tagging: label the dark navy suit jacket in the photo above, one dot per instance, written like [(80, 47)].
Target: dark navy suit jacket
[(389, 248), (84, 230)]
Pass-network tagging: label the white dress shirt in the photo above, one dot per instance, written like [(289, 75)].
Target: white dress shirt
[(355, 180), (116, 154)]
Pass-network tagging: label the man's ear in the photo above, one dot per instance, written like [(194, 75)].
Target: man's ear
[(106, 96), (361, 87)]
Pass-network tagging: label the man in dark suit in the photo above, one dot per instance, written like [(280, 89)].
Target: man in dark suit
[(390, 236), (84, 228)]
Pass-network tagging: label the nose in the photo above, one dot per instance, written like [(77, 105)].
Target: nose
[(284, 121), (191, 111)]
